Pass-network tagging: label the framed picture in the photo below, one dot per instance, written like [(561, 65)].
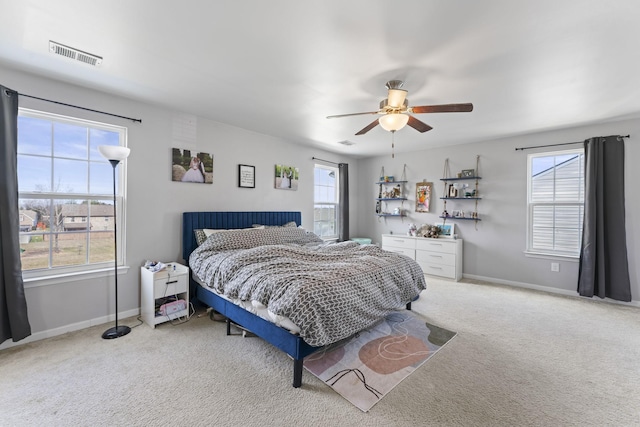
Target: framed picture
[(453, 191), (447, 230), (246, 176), (286, 177), (468, 173), (191, 166), (423, 196)]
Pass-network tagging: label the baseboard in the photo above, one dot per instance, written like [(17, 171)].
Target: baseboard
[(574, 294), (37, 336)]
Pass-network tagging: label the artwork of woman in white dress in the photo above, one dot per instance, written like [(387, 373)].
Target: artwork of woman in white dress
[(286, 177), (195, 172), (189, 166)]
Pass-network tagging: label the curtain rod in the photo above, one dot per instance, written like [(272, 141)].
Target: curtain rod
[(81, 108), (565, 143), (333, 163)]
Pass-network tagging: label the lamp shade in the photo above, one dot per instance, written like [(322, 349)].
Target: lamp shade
[(393, 122), (114, 152)]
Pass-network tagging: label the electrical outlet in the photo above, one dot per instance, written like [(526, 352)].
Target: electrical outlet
[(555, 266)]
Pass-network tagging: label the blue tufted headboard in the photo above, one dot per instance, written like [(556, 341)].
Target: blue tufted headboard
[(228, 220)]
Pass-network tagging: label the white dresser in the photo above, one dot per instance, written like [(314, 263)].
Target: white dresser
[(436, 257)]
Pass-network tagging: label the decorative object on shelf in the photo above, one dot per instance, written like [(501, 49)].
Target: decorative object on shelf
[(453, 192), (190, 166), (413, 229), (390, 190), (246, 176), (430, 231), (115, 154), (286, 177), (461, 191), (446, 230), (423, 196)]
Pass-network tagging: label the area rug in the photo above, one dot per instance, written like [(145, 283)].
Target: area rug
[(367, 366)]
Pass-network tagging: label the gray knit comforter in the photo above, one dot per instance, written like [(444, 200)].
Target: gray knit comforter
[(329, 290)]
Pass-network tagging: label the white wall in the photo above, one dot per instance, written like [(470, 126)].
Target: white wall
[(495, 250), (155, 203)]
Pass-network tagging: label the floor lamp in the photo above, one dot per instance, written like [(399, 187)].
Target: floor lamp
[(115, 154)]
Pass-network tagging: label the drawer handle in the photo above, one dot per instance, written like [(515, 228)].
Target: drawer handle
[(435, 268), (435, 256), (399, 241), (173, 281)]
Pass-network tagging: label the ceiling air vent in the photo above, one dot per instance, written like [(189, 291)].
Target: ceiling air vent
[(346, 142), (75, 54)]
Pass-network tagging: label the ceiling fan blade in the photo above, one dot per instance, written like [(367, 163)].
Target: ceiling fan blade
[(444, 108), (418, 125), (368, 127), (351, 114)]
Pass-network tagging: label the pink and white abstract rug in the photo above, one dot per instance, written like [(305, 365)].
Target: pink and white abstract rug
[(367, 366)]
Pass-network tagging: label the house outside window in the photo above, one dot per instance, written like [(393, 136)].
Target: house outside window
[(326, 202), (65, 181), (555, 195)]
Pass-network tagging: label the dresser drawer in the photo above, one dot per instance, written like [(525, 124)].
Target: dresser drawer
[(438, 269), (436, 258), (436, 245), (398, 242), (404, 251), (170, 285)]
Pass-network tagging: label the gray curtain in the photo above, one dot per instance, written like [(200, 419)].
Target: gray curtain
[(343, 215), (604, 269), (13, 305)]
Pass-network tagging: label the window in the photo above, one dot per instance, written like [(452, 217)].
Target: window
[(555, 191), (68, 185), (326, 204)]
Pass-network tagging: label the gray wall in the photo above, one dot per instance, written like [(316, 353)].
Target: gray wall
[(155, 203), (495, 250)]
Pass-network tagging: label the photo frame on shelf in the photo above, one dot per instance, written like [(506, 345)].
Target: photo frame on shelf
[(468, 173), (423, 196), (453, 191), (246, 176), (446, 230)]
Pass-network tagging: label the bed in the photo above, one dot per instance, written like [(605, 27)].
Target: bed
[(219, 279)]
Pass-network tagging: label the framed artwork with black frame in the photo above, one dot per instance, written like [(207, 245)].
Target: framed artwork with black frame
[(453, 191), (246, 176)]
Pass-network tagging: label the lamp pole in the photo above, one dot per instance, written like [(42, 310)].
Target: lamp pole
[(116, 331)]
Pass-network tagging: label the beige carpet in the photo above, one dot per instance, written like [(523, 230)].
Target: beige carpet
[(521, 358)]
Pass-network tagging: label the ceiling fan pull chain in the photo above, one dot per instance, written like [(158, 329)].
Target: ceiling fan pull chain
[(393, 144)]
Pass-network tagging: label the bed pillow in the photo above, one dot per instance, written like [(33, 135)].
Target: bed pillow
[(288, 224), (203, 233)]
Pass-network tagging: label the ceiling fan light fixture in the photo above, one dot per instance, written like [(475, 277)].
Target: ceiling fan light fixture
[(393, 122), (396, 98)]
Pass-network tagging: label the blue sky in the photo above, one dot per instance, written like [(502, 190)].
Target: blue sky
[(76, 161)]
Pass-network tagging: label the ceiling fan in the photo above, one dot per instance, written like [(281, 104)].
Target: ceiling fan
[(395, 110)]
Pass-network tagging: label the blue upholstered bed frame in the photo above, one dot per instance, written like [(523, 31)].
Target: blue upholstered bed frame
[(279, 337)]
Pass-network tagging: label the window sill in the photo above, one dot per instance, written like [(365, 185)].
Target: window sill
[(54, 279), (569, 258)]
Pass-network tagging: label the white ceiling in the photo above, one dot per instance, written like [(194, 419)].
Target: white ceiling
[(279, 67)]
